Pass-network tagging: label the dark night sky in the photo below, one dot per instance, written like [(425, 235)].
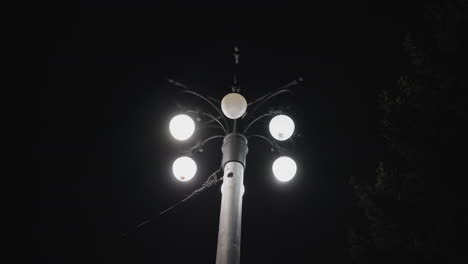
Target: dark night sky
[(105, 152)]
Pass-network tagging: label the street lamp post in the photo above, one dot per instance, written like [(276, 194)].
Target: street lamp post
[(229, 237), (234, 150)]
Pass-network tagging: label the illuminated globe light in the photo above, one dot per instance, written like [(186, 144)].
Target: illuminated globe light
[(184, 168), (233, 105), (181, 127), (281, 127), (284, 168)]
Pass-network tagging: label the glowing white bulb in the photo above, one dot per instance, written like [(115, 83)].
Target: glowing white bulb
[(284, 168), (233, 105), (281, 127), (181, 127), (184, 168)]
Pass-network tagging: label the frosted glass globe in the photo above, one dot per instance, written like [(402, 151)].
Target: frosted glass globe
[(233, 105), (181, 127), (284, 168), (281, 127), (184, 168)]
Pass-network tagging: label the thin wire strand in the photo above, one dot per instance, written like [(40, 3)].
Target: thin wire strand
[(212, 180)]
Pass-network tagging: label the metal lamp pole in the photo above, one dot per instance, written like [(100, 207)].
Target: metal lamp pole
[(234, 150), (229, 237)]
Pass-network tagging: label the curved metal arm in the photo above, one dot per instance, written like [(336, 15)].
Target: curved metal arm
[(274, 145), (207, 127), (217, 121), (214, 99), (191, 152), (283, 89), (183, 86), (210, 103), (261, 98), (212, 118), (272, 113), (208, 100), (268, 97)]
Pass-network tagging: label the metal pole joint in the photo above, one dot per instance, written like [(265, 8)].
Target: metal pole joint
[(234, 149)]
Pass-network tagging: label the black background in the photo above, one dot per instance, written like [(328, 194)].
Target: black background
[(105, 152)]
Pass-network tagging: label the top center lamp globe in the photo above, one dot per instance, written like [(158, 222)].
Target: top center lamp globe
[(233, 105)]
